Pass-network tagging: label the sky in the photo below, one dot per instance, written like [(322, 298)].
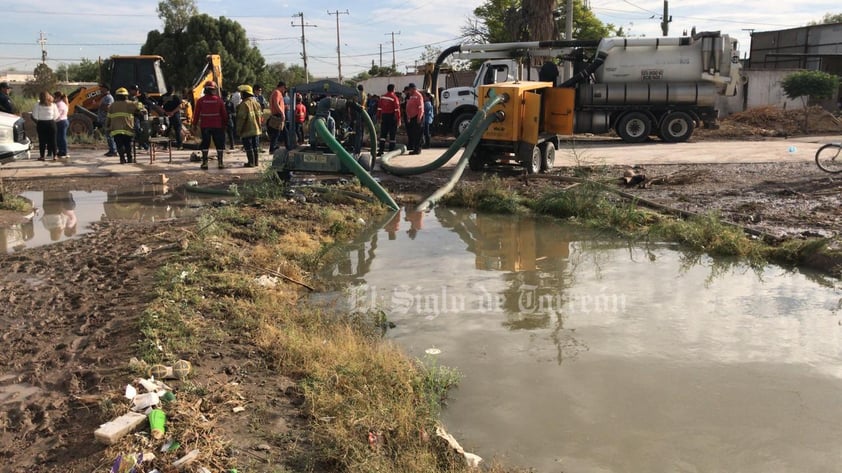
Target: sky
[(92, 29)]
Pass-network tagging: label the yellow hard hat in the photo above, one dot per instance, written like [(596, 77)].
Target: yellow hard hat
[(121, 91), (246, 88)]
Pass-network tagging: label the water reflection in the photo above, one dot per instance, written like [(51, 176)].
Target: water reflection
[(60, 215), (582, 353)]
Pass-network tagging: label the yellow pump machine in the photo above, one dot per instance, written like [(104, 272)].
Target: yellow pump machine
[(535, 117)]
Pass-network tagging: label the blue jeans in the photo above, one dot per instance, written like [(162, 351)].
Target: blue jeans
[(61, 137)]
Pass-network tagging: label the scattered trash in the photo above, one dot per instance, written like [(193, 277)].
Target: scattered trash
[(432, 351), (263, 447), (361, 221), (191, 456), (471, 459), (143, 401), (193, 183), (179, 370), (633, 176), (167, 396), (164, 179), (126, 464), (157, 423), (170, 446), (143, 250), (792, 149), (109, 432), (131, 392), (266, 281), (238, 409)]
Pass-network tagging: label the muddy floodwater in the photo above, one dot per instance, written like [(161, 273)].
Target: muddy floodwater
[(60, 215), (583, 353)]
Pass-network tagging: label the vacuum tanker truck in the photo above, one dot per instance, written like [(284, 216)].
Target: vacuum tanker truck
[(637, 87)]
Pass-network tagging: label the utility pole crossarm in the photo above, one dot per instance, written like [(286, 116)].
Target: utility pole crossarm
[(300, 16)]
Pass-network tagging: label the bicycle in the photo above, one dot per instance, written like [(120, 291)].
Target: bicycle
[(829, 158)]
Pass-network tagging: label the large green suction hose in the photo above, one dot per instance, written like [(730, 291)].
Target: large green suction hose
[(463, 161), (352, 164), (473, 129)]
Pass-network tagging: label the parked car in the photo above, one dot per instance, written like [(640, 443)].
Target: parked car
[(14, 144)]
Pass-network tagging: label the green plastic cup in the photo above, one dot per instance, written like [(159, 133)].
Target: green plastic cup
[(157, 420)]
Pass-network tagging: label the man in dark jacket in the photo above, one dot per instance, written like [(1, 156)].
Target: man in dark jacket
[(6, 104)]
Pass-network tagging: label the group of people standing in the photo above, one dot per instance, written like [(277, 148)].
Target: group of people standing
[(50, 117), (413, 104)]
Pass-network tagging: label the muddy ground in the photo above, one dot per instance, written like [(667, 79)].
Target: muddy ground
[(69, 310)]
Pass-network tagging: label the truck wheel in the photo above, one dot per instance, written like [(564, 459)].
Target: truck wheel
[(677, 127), (547, 156), (476, 162), (634, 127), (461, 123), (80, 125), (533, 165)]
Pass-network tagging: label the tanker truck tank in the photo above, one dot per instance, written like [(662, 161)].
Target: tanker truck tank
[(705, 57), (702, 94)]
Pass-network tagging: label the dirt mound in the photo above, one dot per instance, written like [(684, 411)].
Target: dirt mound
[(773, 121)]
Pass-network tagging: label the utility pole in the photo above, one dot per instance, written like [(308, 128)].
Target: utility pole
[(665, 22), (338, 55), (42, 40), (300, 16), (394, 64), (568, 35), (381, 55)]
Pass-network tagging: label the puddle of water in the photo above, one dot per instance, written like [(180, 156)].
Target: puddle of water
[(61, 215), (580, 353)]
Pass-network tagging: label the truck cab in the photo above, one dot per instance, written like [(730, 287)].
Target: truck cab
[(458, 105)]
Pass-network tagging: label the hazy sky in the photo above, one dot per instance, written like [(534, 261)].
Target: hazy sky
[(92, 29)]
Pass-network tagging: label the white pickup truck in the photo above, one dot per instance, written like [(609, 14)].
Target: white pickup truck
[(14, 144)]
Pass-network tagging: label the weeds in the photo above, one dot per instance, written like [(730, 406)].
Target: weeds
[(491, 196), (15, 203), (589, 204), (369, 402)]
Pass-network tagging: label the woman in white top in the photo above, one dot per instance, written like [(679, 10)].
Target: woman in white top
[(61, 124), (45, 113)]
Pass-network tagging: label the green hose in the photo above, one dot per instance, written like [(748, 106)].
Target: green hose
[(352, 164), (472, 129), (463, 161), (372, 131)]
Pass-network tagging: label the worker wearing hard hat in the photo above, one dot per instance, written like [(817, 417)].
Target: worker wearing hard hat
[(247, 123), (119, 123), (212, 119)]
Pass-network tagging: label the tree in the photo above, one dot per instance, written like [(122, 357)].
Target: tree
[(85, 71), (44, 80), (185, 52), (813, 84), (176, 14), (502, 21), (278, 71), (828, 18)]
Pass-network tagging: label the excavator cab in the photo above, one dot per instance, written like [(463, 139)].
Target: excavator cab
[(117, 71), (143, 71)]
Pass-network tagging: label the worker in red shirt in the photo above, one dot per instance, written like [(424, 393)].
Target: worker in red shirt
[(389, 114), (300, 118), (210, 116), (414, 118)]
